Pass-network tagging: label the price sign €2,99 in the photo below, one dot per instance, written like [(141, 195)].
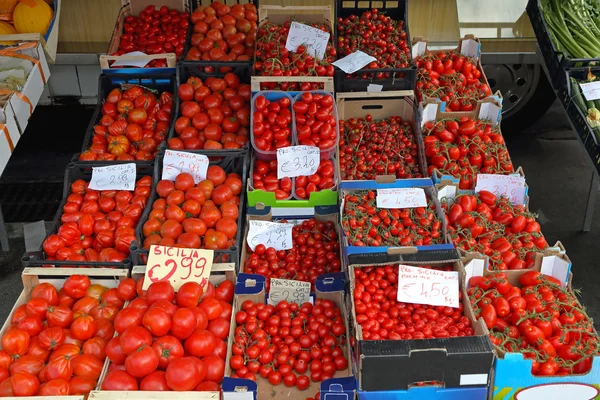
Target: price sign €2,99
[(296, 161), (178, 266), (113, 177)]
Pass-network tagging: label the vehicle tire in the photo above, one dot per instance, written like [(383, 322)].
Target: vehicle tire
[(527, 94)]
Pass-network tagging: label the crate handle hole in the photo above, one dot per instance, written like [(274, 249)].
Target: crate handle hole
[(372, 107)]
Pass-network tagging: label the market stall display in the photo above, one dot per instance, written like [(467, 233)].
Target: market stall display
[(386, 229)]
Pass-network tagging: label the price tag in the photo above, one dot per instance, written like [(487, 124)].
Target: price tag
[(113, 177), (401, 198), (509, 186), (427, 286), (287, 289), (590, 90), (314, 39), (176, 162), (295, 161), (271, 234), (353, 62), (178, 266)]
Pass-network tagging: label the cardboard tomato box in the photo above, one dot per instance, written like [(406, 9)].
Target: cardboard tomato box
[(461, 367), (512, 372), (219, 273), (468, 46), (9, 133), (368, 254), (252, 287), (382, 105), (32, 277), (138, 62)]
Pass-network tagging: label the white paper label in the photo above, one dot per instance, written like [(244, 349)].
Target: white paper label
[(491, 112), (353, 62), (314, 39), (448, 193), (474, 268), (372, 87), (296, 161), (509, 186), (271, 234), (292, 291), (591, 90), (113, 177), (176, 162), (427, 286), (429, 113), (470, 48), (401, 198), (131, 63), (556, 267), (418, 49)]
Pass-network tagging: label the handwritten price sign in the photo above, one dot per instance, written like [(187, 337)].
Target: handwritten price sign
[(401, 198), (314, 39), (271, 234), (427, 286), (114, 177), (176, 162), (296, 161), (178, 266), (591, 90), (353, 62), (511, 187), (289, 290)]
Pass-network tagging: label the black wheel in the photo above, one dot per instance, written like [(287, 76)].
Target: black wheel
[(526, 91)]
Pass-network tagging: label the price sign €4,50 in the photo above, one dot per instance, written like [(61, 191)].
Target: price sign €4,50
[(178, 266), (427, 286)]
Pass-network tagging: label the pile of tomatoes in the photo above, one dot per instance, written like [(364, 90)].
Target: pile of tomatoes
[(539, 319), (316, 124), (451, 77), (315, 251), (382, 317), (271, 124), (98, 226), (492, 226), (155, 31), (134, 123), (223, 33), (56, 344), (288, 342), (377, 35), (273, 59), (215, 114), (195, 216), (371, 148), (365, 224), (464, 148), (170, 341)]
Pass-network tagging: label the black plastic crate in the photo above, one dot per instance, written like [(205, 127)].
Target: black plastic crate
[(556, 61), (73, 173), (577, 116), (193, 4), (189, 68), (400, 78), (160, 82), (237, 162)]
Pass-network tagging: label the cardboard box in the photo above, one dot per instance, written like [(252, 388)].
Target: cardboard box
[(49, 40), (252, 287), (218, 274), (31, 57), (391, 369), (322, 214), (366, 254), (138, 62), (469, 46), (307, 14), (31, 277), (9, 133), (382, 105), (512, 372)]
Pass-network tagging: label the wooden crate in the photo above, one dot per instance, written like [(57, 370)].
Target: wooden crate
[(134, 8), (281, 14), (218, 274), (33, 276)]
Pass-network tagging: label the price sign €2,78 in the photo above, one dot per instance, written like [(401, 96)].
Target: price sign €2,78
[(270, 234), (296, 161), (178, 266)]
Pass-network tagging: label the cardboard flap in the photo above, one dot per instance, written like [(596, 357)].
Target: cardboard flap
[(556, 267), (474, 267)]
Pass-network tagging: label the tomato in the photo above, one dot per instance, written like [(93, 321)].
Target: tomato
[(168, 349), (24, 384), (76, 286), (15, 342), (128, 317), (160, 291), (200, 343), (119, 380), (133, 338), (181, 374), (142, 361)]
